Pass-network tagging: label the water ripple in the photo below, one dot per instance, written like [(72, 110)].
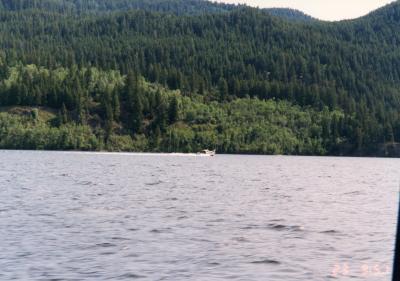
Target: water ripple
[(83, 216)]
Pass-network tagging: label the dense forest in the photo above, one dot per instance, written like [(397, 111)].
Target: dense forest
[(180, 75), (289, 14), (177, 7)]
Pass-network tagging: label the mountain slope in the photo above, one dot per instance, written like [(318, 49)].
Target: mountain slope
[(178, 7), (290, 14), (349, 67)]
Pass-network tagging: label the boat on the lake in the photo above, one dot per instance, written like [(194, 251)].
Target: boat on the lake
[(207, 152)]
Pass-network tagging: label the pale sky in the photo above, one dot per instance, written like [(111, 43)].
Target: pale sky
[(322, 9)]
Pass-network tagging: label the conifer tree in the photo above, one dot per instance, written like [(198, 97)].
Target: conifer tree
[(173, 110), (135, 106)]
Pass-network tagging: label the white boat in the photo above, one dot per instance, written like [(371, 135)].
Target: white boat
[(207, 152)]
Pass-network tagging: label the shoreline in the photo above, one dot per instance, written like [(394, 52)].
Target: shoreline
[(192, 154)]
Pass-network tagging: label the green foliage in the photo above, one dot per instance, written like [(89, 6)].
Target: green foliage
[(179, 7), (290, 14), (251, 126), (18, 132), (180, 75), (134, 103), (241, 126), (173, 110)]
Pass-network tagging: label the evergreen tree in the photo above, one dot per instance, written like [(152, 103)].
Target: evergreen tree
[(223, 90), (135, 106), (63, 114), (173, 110)]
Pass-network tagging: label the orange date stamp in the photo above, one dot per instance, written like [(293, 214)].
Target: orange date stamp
[(363, 270)]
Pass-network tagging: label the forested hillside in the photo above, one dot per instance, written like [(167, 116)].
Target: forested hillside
[(185, 75), (177, 7), (289, 14)]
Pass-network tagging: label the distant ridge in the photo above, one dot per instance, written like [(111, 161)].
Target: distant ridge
[(178, 7), (385, 14), (290, 14)]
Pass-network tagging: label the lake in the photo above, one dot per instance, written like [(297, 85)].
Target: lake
[(99, 216)]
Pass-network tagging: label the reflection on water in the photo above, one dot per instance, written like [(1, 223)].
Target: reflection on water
[(83, 216)]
